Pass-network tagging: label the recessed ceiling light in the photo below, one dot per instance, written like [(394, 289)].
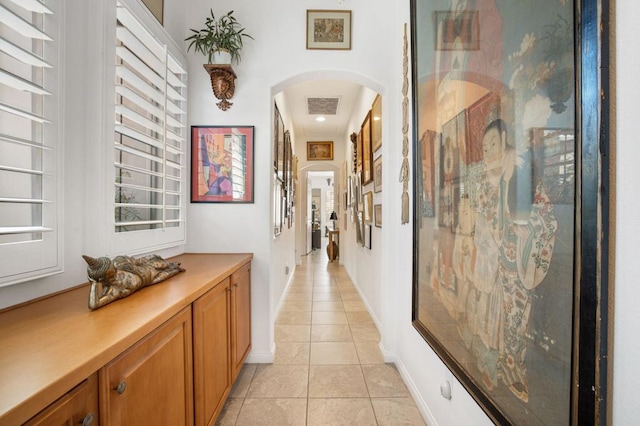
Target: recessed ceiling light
[(321, 118)]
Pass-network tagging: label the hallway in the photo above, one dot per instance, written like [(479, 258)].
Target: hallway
[(328, 369)]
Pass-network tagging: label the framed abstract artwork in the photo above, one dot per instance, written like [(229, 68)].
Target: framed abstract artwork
[(329, 29), (222, 164), (510, 251)]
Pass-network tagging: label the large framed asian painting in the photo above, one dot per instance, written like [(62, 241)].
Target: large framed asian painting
[(508, 253)]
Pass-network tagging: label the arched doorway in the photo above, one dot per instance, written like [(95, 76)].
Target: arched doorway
[(339, 98)]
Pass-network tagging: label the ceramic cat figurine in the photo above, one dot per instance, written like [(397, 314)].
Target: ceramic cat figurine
[(124, 275)]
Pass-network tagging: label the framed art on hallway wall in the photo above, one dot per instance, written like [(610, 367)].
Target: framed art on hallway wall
[(377, 174), (320, 151), (222, 164), (329, 29), (508, 282), (367, 155), (376, 124)]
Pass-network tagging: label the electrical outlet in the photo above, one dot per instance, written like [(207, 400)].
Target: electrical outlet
[(286, 270)]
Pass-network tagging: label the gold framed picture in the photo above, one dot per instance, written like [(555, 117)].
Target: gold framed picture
[(368, 207), (376, 124), (320, 150), (329, 29)]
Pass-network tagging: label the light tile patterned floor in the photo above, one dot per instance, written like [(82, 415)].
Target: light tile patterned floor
[(328, 368)]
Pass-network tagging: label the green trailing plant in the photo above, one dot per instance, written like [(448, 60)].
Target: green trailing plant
[(223, 33)]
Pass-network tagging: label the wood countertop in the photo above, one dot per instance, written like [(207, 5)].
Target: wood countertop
[(49, 346)]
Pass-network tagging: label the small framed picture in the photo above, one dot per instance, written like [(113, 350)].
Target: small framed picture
[(376, 124), (457, 30), (367, 236), (377, 174), (377, 213), (368, 207), (319, 151), (329, 29)]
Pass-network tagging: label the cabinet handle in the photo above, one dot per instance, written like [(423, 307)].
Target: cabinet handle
[(88, 419), (122, 386)]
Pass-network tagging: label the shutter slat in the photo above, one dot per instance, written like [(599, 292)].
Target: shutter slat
[(21, 26), (33, 6), (148, 222), (140, 32), (139, 137), (22, 113), (24, 200), (13, 230), (20, 141), (22, 55), (138, 100), (135, 63), (128, 76), (21, 170), (20, 83), (138, 153), (134, 116)]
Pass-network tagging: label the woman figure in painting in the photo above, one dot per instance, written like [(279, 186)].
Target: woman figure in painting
[(512, 259)]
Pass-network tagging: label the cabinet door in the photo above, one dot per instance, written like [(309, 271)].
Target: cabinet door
[(211, 346), (240, 317), (78, 407), (152, 382)]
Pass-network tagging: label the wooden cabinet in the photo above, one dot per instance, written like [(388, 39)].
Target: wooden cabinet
[(151, 383), (132, 362), (240, 318), (78, 407), (222, 340), (212, 358)]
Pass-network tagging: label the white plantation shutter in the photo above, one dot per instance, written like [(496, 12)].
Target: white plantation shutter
[(150, 133), (29, 152)]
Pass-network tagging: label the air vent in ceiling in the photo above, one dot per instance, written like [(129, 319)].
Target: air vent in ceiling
[(323, 106)]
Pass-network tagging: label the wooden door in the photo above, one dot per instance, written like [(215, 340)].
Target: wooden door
[(240, 318), (152, 382), (77, 407), (212, 352)]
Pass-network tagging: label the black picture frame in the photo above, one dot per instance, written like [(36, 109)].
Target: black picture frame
[(278, 144), (583, 396)]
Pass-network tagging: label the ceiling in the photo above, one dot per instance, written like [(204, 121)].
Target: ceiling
[(332, 99)]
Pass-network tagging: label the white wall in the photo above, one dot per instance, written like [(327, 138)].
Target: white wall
[(626, 377), (364, 265), (277, 55)]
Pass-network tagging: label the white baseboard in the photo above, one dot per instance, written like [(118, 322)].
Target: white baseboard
[(413, 389), (261, 357)]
